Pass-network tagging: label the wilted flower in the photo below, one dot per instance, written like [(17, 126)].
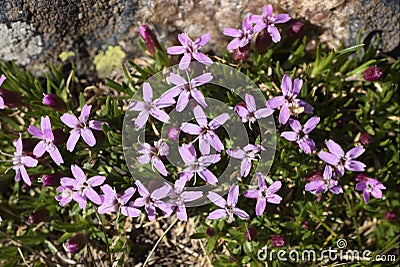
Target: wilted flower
[(206, 130), (288, 102), (11, 99), (82, 187), (264, 194), (75, 243), (242, 37), (242, 53), (249, 112), (81, 126), (227, 207), (51, 179), (54, 101), (369, 186), (277, 241), (391, 216), (21, 161), (38, 216), (247, 154), (210, 232), (250, 234), (114, 202), (153, 153), (365, 139), (150, 107), (373, 73), (323, 183), (186, 89), (341, 161), (300, 134), (47, 138), (149, 39), (189, 49), (295, 28), (267, 21)]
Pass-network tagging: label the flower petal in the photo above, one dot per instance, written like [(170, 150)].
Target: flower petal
[(72, 140), (130, 211), (141, 119), (202, 79), (250, 103), (88, 137), (232, 32), (92, 195), (183, 100), (355, 152), (218, 121), (286, 85), (311, 124), (217, 214), (85, 113), (234, 44), (70, 120), (260, 206), (202, 40), (240, 213), (176, 50), (216, 199), (39, 149), (208, 176), (147, 93), (96, 180), (329, 158), (290, 136), (185, 61), (297, 84), (191, 128), (199, 97), (188, 153), (233, 195), (263, 113), (159, 165), (335, 149), (200, 116), (160, 115), (276, 102), (295, 125), (274, 33), (202, 58), (284, 114)]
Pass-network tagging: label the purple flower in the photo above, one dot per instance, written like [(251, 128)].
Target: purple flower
[(319, 184), (178, 197), (264, 194), (190, 50), (151, 200), (241, 37), (249, 112), (289, 102), (247, 154), (173, 133), (227, 207), (341, 161), (277, 241), (114, 202), (153, 153), (66, 195), (82, 187), (186, 89), (267, 21), (300, 134), (75, 244), (149, 39), (81, 127), (47, 138), (372, 74), (150, 107), (2, 79), (197, 166), (51, 179), (369, 186), (55, 102), (21, 161), (205, 130)]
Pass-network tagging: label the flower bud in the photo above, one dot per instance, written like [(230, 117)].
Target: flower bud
[(305, 225), (295, 28), (277, 241), (241, 53), (391, 216), (38, 216), (365, 139), (55, 102), (373, 73), (51, 179), (11, 99), (149, 39), (263, 41), (250, 234), (75, 243), (210, 232)]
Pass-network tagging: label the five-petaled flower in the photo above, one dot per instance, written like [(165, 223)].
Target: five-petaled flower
[(177, 198), (205, 130), (268, 21), (20, 161), (247, 154), (114, 202), (324, 183), (2, 79), (227, 207), (81, 126), (369, 186), (151, 200), (249, 112), (197, 166), (153, 153), (264, 194), (190, 50), (300, 134), (150, 107), (242, 37), (288, 102), (186, 89), (82, 188), (341, 161), (47, 139)]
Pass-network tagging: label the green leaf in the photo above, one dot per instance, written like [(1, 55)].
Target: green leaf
[(198, 236), (211, 244)]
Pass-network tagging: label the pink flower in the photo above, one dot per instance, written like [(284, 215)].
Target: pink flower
[(247, 154), (153, 153), (227, 207), (114, 202), (47, 138), (369, 186), (373, 73), (149, 39), (249, 112), (277, 241), (323, 183), (81, 127), (264, 194), (190, 50), (242, 37)]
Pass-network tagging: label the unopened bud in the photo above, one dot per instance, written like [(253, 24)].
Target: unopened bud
[(372, 74), (38, 216), (277, 241), (250, 234), (149, 39), (55, 102), (263, 41), (241, 53), (75, 244)]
